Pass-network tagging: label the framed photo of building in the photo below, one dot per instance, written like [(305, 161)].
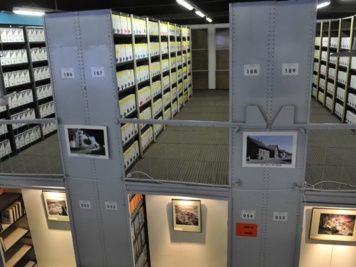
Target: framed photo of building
[(86, 141), (269, 149), (56, 206), (333, 225), (186, 215)]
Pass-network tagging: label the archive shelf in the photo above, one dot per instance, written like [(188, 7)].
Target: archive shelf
[(15, 241), (334, 78), (26, 83)]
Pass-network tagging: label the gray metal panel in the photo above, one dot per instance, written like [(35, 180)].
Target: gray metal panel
[(86, 225), (269, 34), (116, 224), (101, 237)]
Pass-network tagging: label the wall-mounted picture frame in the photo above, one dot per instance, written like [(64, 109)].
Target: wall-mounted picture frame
[(333, 225), (87, 141), (186, 215), (269, 149), (56, 206)]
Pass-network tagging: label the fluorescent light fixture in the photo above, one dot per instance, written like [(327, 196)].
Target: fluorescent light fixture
[(199, 13), (209, 19), (322, 4), (185, 4), (28, 11)]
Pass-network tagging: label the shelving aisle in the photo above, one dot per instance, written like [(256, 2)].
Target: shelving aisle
[(191, 154)]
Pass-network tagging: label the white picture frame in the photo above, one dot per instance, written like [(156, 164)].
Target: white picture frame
[(269, 149), (56, 206), (87, 141)]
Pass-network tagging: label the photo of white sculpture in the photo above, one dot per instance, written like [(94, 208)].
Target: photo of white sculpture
[(86, 141)]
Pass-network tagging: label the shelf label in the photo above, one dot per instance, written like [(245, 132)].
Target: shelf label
[(246, 229), (67, 73), (291, 69), (110, 205), (84, 204), (248, 214), (97, 72), (252, 70), (280, 216)]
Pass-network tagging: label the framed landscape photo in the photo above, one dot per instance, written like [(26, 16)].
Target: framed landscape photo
[(333, 225), (56, 206), (269, 149), (86, 141), (186, 215)]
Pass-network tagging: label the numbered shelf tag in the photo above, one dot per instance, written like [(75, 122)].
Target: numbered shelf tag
[(248, 214), (110, 205), (291, 69), (252, 70), (97, 72), (280, 216), (67, 73), (84, 204)]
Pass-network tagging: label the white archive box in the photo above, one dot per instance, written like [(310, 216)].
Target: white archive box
[(144, 95), (165, 82), (325, 41), (340, 93), (351, 100), (173, 77), (345, 43), (330, 88), (156, 88), (329, 102), (332, 73), (324, 56), (147, 138), (339, 109), (174, 92), (5, 148), (332, 59), (164, 47), (180, 87), (157, 128), (164, 65), (344, 61), (341, 77), (174, 107), (153, 28), (353, 63), (353, 81), (120, 52), (334, 42), (3, 128), (167, 114), (157, 107), (167, 99)]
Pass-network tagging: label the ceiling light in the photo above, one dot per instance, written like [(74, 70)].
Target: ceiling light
[(199, 13), (185, 4), (209, 19), (323, 3), (28, 11)]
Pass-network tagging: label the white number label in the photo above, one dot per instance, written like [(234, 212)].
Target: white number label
[(84, 204), (280, 216), (248, 214), (67, 73), (252, 70), (97, 72), (290, 69), (110, 205)]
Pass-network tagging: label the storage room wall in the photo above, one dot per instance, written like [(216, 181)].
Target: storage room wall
[(52, 240), (176, 249), (314, 253)]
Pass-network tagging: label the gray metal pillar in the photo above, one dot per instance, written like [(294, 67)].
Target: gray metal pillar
[(79, 43), (272, 46)]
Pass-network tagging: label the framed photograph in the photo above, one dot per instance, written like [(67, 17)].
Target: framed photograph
[(269, 149), (56, 206), (86, 141), (186, 215), (333, 225)]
